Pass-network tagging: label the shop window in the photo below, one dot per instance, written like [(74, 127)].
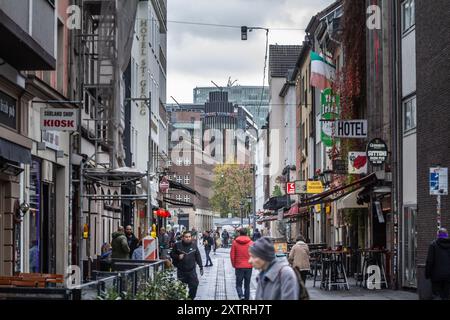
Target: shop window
[(409, 111), (408, 15)]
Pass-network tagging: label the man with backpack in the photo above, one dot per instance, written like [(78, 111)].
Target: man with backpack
[(276, 280)]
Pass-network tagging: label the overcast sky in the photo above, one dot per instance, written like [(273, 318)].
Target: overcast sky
[(199, 54)]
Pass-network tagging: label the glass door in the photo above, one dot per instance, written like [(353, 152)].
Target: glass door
[(409, 247)]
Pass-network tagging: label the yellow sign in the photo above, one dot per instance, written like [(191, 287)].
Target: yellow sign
[(328, 209), (314, 187), (318, 207)]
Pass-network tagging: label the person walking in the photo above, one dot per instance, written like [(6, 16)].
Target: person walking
[(207, 243), (256, 235), (163, 239), (299, 257), (240, 261), (131, 239), (185, 256), (437, 267), (276, 280), (225, 238), (119, 244), (216, 241)]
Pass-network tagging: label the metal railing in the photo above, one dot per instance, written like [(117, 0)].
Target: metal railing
[(129, 278)]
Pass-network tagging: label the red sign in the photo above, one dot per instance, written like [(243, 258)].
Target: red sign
[(290, 187), (164, 185)]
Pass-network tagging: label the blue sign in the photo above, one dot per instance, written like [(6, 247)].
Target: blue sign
[(438, 181)]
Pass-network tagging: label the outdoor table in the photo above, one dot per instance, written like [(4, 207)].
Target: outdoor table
[(333, 274)]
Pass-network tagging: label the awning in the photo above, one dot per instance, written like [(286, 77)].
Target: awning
[(336, 194), (276, 203), (180, 186), (295, 211), (13, 152), (350, 201)]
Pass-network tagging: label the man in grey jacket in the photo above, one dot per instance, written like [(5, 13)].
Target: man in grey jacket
[(276, 280)]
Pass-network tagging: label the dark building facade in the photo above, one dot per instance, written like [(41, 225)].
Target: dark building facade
[(433, 118)]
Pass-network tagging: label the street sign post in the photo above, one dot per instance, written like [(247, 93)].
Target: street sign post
[(438, 187)]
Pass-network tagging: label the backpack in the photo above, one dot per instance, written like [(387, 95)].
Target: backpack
[(303, 295)]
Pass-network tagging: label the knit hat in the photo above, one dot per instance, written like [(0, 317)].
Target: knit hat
[(263, 248), (442, 233)]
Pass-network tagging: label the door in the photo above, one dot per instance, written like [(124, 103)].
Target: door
[(48, 243), (409, 247)]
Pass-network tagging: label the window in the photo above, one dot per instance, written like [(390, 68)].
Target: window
[(180, 161), (179, 179), (187, 179), (409, 111), (187, 162), (169, 163), (187, 198), (178, 197), (408, 15)]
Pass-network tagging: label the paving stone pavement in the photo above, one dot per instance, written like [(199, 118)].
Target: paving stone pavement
[(218, 283)]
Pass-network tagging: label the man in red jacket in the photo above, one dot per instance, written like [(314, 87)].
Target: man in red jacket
[(239, 259)]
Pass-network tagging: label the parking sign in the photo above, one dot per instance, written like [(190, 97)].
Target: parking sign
[(439, 181)]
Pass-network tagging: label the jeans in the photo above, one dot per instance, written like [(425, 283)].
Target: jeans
[(441, 289), (208, 258), (243, 275), (304, 274)]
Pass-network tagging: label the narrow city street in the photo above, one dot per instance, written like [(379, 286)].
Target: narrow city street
[(218, 283)]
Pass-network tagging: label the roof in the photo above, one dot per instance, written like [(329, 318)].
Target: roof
[(282, 58)]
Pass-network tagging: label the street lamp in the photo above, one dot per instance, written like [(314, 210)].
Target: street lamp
[(325, 177)]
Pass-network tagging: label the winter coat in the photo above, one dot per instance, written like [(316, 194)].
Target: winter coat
[(119, 244), (239, 253), (256, 235), (299, 256), (208, 241), (279, 282), (191, 256), (133, 242), (437, 266)]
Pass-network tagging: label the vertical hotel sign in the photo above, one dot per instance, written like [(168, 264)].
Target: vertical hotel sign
[(143, 22)]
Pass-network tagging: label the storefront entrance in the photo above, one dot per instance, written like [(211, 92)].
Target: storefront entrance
[(409, 247)]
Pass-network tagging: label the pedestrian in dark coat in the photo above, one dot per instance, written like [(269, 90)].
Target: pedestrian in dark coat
[(208, 242), (276, 280), (437, 267), (185, 256), (132, 240), (256, 235)]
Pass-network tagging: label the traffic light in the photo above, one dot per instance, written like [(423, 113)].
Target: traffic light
[(243, 33)]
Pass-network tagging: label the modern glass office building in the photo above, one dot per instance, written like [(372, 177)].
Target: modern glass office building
[(247, 96)]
